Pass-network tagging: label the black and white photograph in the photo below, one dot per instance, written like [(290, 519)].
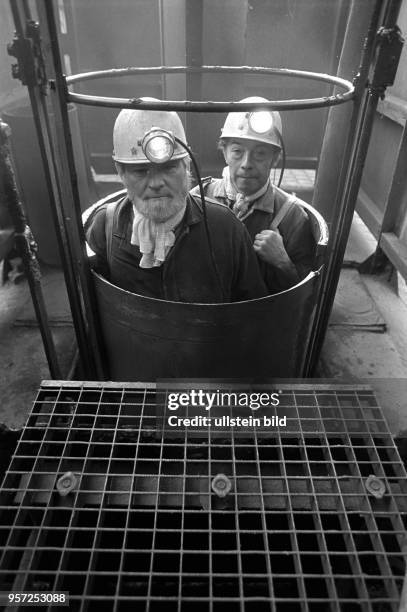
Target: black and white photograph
[(203, 305)]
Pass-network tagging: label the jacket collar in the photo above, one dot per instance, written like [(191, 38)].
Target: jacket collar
[(219, 190), (193, 211), (264, 203)]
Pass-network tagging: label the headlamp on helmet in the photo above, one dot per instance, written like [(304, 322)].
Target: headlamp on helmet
[(136, 126), (158, 145), (262, 125), (260, 122)]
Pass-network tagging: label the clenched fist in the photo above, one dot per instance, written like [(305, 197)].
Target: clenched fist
[(269, 246)]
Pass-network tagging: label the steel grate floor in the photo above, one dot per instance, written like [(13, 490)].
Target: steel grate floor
[(142, 528)]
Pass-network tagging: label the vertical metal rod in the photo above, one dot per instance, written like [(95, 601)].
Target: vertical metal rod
[(162, 48), (23, 240), (357, 148), (337, 45), (331, 151), (70, 200), (329, 190), (336, 149), (70, 43), (194, 14), (21, 14)]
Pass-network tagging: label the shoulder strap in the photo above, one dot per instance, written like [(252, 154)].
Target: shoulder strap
[(109, 222), (197, 200), (282, 212)]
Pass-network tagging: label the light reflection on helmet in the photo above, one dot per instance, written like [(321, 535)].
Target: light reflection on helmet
[(262, 125)]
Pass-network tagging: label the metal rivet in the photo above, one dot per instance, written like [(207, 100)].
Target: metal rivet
[(375, 486), (221, 485), (66, 483)]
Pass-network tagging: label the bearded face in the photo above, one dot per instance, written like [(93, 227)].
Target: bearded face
[(158, 191)]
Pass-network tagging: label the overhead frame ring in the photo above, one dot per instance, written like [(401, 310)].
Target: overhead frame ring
[(209, 106)]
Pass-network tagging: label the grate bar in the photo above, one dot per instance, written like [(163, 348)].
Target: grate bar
[(144, 526)]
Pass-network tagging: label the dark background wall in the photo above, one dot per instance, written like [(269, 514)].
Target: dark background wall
[(282, 33)]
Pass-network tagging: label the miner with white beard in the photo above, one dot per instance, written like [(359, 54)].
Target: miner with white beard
[(153, 241)]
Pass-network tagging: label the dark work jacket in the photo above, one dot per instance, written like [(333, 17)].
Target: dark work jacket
[(295, 230), (187, 274)]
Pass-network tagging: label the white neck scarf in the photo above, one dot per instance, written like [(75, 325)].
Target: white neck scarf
[(241, 202), (154, 239)]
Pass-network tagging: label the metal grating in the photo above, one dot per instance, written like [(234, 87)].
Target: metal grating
[(143, 529)]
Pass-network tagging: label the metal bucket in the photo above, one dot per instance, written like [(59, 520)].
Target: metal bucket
[(146, 339)]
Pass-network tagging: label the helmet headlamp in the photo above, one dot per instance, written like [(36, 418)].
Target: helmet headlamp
[(261, 122), (158, 145)]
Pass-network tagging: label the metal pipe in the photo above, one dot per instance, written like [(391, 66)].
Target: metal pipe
[(70, 201), (357, 148), (193, 28), (210, 106), (22, 16), (162, 46), (287, 72), (25, 246), (329, 187)]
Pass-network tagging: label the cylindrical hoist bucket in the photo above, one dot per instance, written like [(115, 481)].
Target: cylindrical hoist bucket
[(147, 339)]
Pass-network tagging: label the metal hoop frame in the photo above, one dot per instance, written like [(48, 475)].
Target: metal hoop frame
[(211, 107)]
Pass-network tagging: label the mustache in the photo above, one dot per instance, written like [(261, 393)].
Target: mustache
[(158, 196), (160, 209)]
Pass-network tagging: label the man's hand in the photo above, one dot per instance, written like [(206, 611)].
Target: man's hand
[(269, 246)]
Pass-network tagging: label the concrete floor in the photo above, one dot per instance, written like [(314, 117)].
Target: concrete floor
[(378, 359), (348, 355), (23, 362)]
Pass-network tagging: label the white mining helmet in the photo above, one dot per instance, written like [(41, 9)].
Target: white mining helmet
[(144, 136), (262, 125)]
